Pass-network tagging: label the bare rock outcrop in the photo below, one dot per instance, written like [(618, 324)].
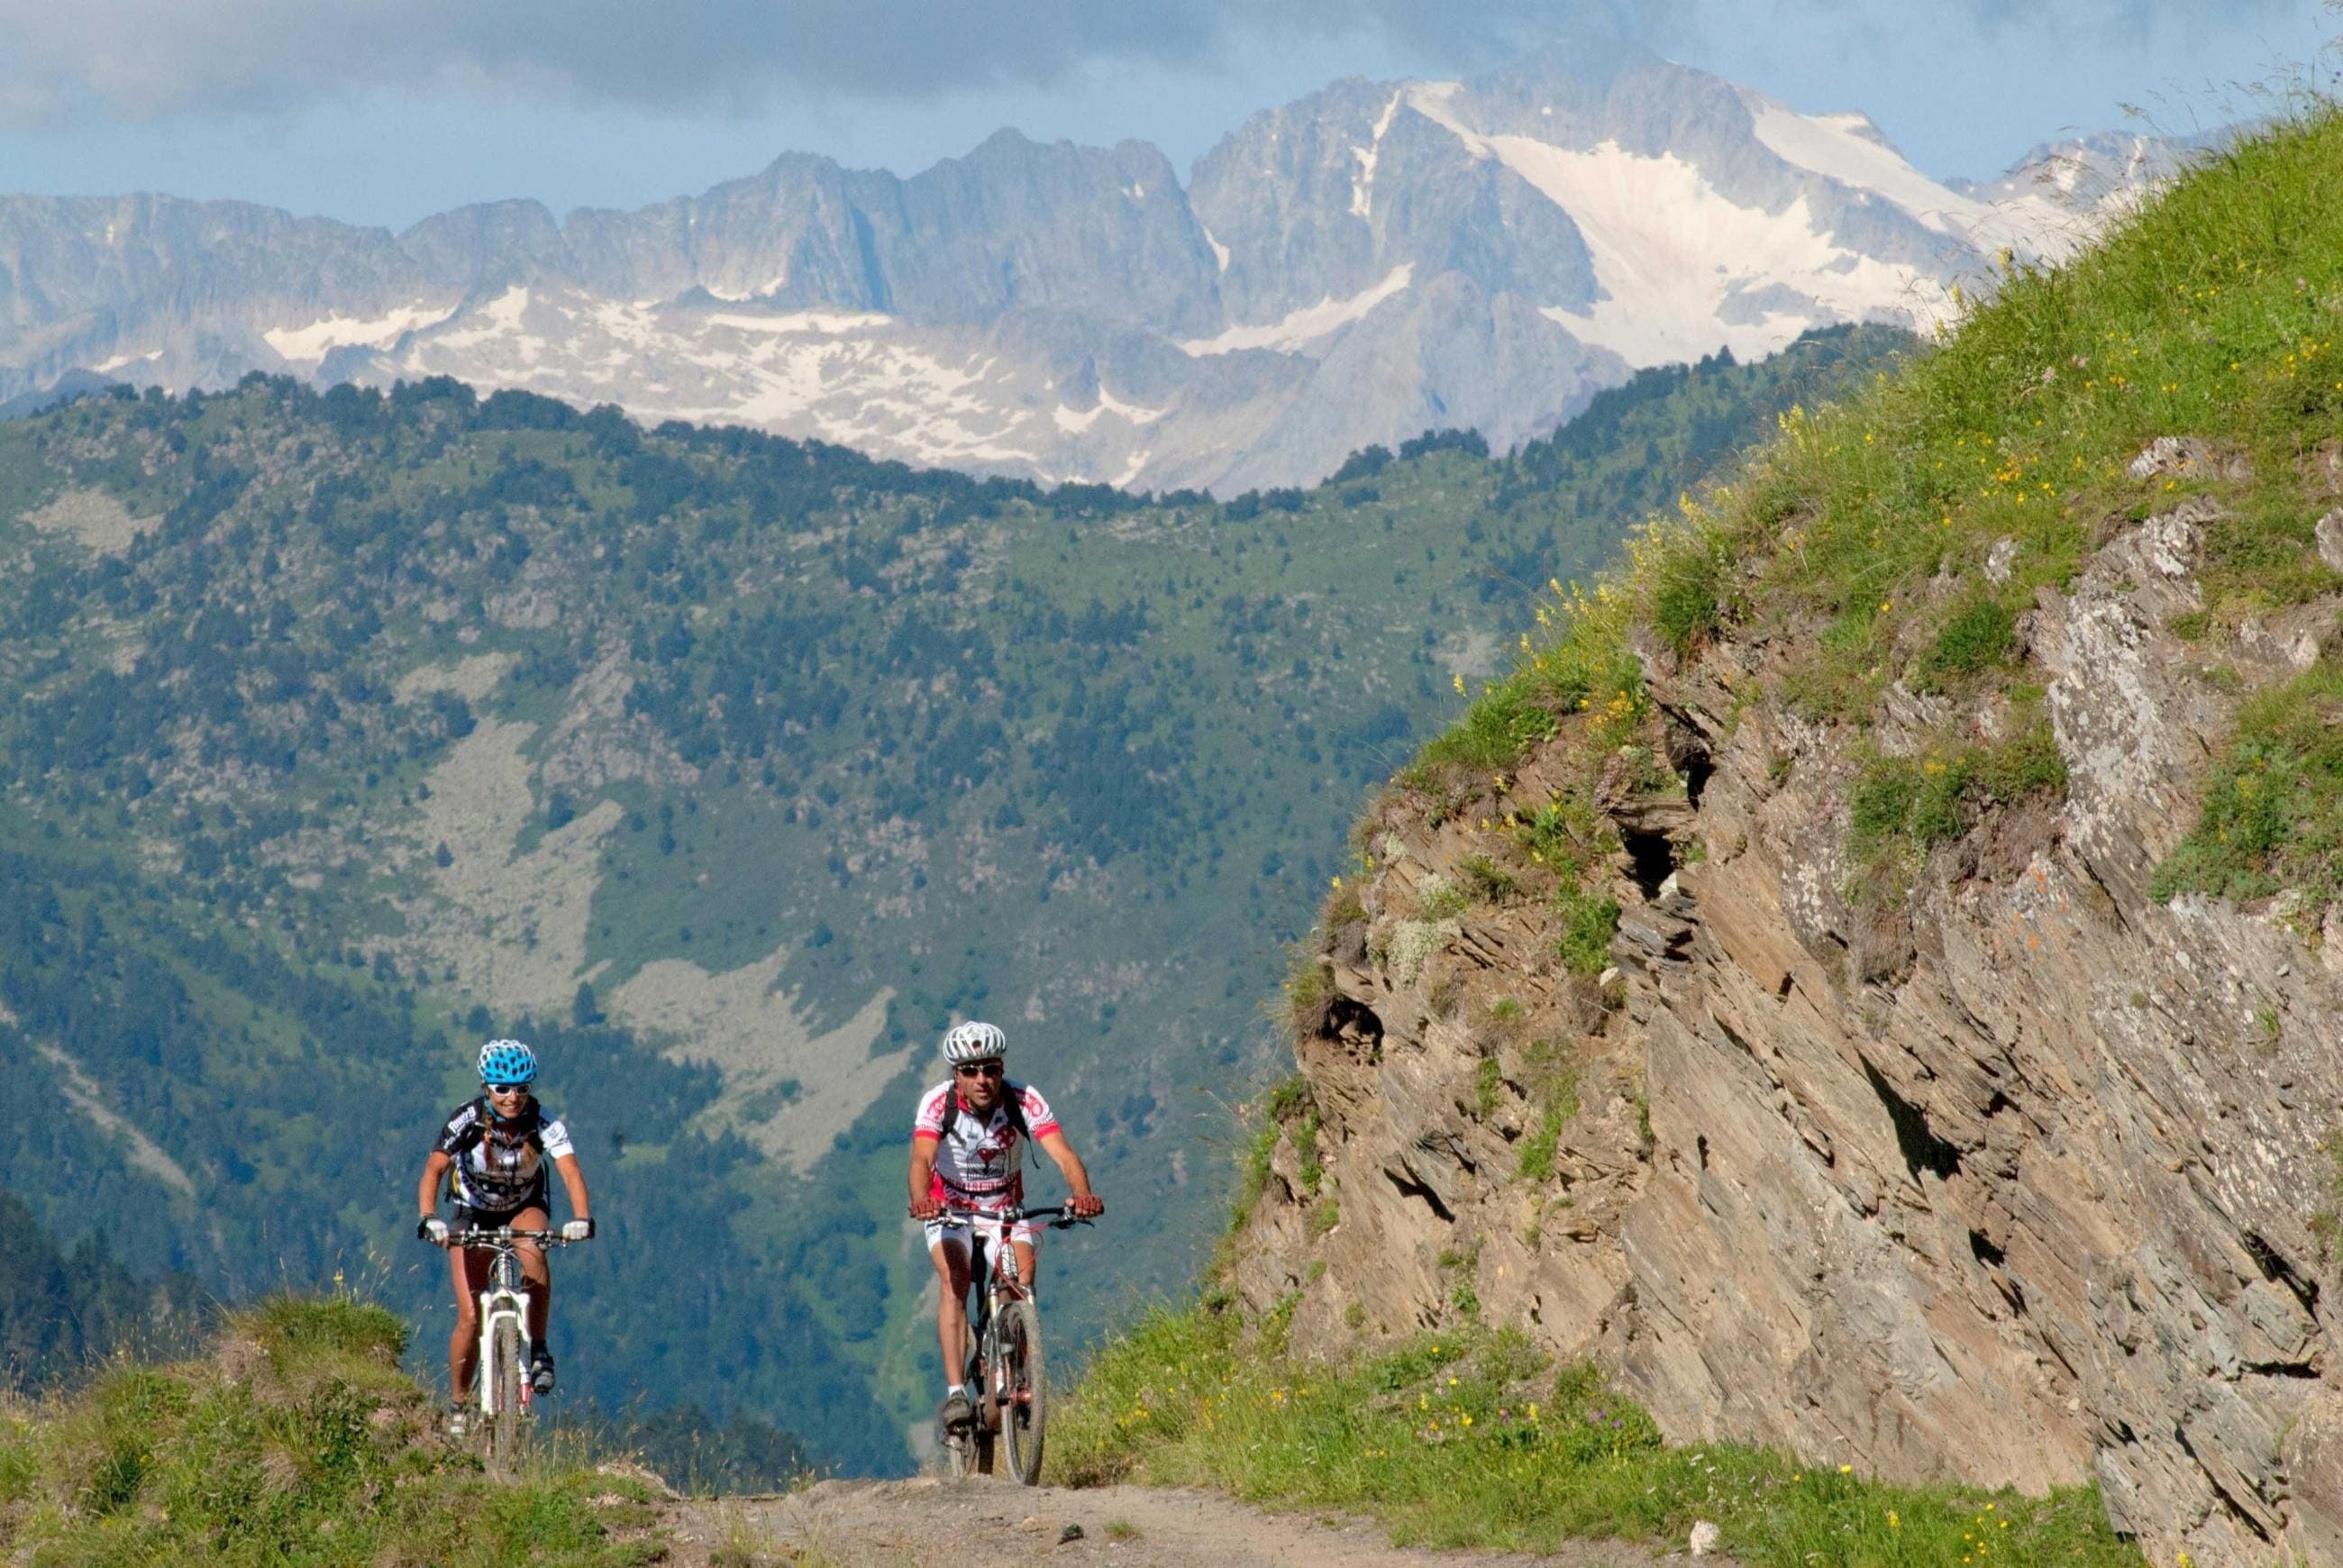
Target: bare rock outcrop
[(2012, 1175)]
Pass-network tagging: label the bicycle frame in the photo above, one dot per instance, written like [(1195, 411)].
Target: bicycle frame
[(506, 1301), (1004, 1368)]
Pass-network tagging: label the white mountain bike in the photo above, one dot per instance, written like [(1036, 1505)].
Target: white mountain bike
[(1009, 1389), (501, 1385)]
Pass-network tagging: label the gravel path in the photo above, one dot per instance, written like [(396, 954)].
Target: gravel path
[(960, 1524)]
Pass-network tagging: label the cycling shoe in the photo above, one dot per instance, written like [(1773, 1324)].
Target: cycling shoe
[(956, 1410), (540, 1372)]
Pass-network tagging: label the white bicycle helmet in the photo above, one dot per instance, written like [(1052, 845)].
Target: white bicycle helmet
[(974, 1041)]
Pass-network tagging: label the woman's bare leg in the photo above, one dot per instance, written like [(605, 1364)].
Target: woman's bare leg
[(469, 1269), (534, 1269)]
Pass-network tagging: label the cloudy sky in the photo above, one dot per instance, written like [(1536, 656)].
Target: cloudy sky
[(382, 111)]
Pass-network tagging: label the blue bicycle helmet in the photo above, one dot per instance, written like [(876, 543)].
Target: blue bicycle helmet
[(508, 1062)]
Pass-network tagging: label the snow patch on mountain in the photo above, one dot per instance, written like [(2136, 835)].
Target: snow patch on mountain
[(1435, 101), (1363, 184), (1300, 328), (1683, 268), (1075, 423), (828, 323), (1849, 148), (312, 343)]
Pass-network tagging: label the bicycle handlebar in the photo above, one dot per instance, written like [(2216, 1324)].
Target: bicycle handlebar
[(505, 1235), (1006, 1217)]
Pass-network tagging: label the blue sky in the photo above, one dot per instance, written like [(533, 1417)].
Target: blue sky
[(382, 111)]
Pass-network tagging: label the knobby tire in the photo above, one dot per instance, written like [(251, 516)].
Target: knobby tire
[(505, 1431), (1025, 1390)]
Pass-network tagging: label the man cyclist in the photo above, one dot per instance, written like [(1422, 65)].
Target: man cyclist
[(497, 1147), (967, 1147)]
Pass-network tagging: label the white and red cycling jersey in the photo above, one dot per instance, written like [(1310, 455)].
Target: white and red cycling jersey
[(979, 1158)]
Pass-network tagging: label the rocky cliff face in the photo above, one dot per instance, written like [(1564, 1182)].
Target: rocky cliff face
[(2010, 1176)]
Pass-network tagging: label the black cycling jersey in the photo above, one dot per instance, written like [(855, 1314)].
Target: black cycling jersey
[(500, 1166)]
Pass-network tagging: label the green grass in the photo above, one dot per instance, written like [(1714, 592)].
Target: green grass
[(1551, 1079), (1488, 1080), (1911, 803), (298, 1441), (1978, 635), (2272, 815), (1535, 1162), (1472, 1439), (1588, 922), (1308, 1170)]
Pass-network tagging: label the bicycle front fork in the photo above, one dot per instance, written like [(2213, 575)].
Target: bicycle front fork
[(496, 1307)]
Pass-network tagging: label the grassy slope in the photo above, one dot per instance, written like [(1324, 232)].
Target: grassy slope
[(1066, 755), (1471, 1439), (298, 1440), (2211, 314)]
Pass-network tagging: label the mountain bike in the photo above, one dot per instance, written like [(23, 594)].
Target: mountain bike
[(1008, 1382), (501, 1384)]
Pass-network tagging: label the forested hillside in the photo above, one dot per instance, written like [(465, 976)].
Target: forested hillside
[(343, 728)]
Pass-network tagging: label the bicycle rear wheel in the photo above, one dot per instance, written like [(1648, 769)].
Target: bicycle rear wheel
[(1025, 1390), (505, 1430)]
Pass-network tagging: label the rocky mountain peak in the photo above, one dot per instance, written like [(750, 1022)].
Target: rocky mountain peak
[(1338, 272)]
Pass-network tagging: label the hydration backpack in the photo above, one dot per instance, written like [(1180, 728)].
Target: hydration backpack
[(1013, 1096)]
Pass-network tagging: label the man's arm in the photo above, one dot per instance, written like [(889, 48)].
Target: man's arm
[(921, 1178), (1084, 1203)]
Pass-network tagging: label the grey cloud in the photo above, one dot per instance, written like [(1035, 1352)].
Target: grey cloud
[(160, 59), (156, 59)]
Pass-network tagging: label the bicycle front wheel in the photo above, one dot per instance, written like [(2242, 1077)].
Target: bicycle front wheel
[(505, 1430), (1025, 1390)]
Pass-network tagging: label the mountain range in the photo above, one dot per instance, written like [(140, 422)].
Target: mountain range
[(1373, 260)]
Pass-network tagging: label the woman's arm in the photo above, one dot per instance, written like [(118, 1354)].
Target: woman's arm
[(580, 1205), (427, 1192)]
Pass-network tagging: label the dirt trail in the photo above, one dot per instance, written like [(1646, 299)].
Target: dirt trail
[(931, 1521)]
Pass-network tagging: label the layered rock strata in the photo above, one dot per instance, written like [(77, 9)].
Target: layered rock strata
[(2013, 1175)]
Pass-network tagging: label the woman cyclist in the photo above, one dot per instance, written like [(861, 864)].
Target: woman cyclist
[(497, 1147)]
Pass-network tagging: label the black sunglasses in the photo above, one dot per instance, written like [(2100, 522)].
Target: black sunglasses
[(981, 1070)]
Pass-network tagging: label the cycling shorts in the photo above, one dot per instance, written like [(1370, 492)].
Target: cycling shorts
[(467, 1218), (957, 1228)]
